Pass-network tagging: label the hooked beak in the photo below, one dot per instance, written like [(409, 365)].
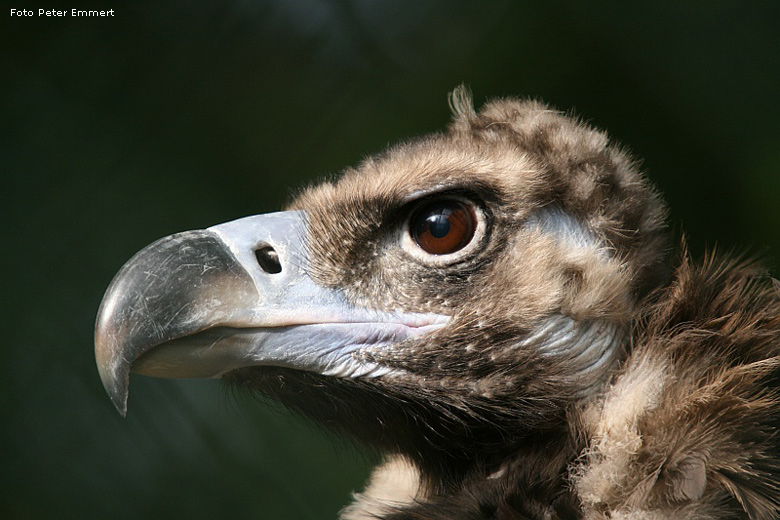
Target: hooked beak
[(202, 303)]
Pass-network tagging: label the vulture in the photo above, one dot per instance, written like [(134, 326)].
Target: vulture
[(499, 311)]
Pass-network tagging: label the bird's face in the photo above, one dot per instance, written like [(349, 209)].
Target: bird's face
[(468, 285)]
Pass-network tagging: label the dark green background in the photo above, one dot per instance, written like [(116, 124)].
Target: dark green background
[(179, 115)]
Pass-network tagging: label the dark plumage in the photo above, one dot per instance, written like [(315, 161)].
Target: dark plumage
[(555, 365)]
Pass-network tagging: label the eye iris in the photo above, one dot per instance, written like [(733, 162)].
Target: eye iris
[(443, 227)]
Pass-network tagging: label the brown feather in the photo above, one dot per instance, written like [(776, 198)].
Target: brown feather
[(692, 418)]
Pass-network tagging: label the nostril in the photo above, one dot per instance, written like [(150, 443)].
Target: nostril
[(268, 259)]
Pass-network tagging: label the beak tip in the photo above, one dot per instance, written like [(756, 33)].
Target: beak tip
[(117, 390), (112, 367), (121, 407), (116, 384), (118, 396)]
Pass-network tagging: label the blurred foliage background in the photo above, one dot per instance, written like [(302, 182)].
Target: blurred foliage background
[(179, 115)]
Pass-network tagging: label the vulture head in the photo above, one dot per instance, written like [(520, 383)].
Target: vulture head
[(458, 302)]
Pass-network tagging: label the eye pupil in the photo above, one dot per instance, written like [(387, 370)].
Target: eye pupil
[(443, 227), (439, 225)]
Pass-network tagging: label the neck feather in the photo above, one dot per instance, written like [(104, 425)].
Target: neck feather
[(590, 348)]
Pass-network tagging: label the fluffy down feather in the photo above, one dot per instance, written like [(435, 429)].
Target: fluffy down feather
[(689, 427)]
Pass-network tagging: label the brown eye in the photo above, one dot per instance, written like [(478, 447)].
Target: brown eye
[(443, 227)]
